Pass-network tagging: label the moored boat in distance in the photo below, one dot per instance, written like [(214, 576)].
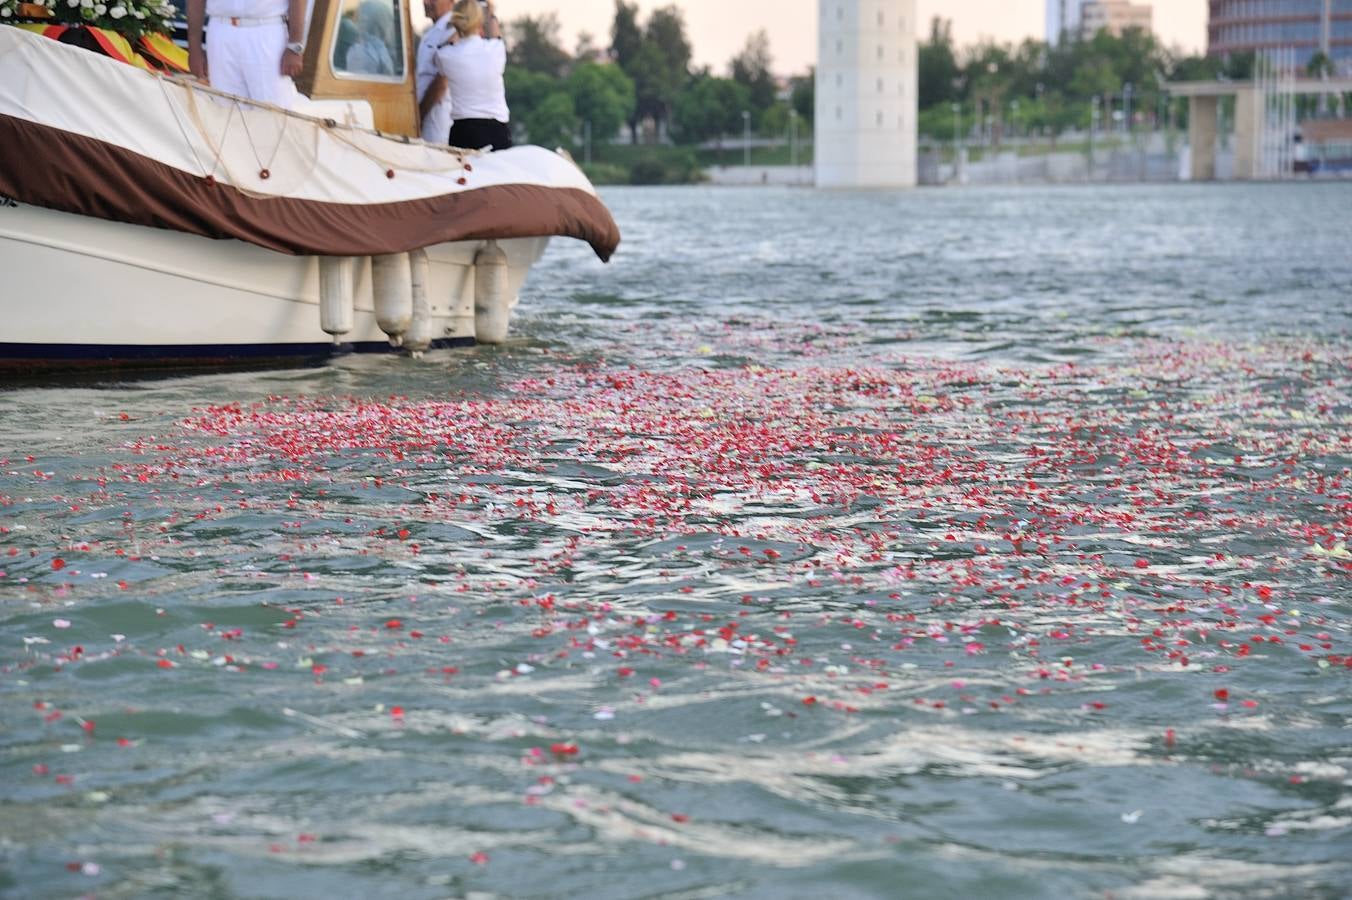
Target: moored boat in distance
[(148, 220)]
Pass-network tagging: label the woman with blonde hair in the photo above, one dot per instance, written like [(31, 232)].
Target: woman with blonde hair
[(473, 66)]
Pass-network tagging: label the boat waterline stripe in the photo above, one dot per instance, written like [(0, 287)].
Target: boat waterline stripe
[(13, 355), (60, 170)]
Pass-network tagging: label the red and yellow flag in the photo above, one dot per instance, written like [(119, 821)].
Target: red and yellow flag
[(152, 52), (170, 56)]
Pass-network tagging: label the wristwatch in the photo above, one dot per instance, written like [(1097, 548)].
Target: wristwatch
[(296, 47)]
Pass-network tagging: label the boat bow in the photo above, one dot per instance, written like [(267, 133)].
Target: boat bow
[(84, 134)]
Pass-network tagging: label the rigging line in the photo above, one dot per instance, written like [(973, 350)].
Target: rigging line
[(217, 147), (457, 164), (192, 147), (263, 170), (328, 123), (286, 122), (281, 136), (358, 140), (338, 130)]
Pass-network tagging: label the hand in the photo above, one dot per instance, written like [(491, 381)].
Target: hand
[(436, 92), (197, 64), (291, 63)]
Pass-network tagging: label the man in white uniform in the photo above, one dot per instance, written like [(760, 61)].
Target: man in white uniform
[(434, 101), (253, 47)]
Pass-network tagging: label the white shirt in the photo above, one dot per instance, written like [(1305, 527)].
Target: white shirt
[(248, 9), (436, 126), (473, 68)]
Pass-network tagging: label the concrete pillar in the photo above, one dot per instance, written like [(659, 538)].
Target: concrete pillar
[(1203, 113), (867, 94), (1249, 123)]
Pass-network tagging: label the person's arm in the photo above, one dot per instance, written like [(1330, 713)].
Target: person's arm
[(197, 57), (292, 62), (435, 92), (492, 29)]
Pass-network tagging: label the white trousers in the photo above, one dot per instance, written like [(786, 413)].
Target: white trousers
[(247, 60)]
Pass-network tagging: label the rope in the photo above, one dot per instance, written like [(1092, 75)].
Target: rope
[(192, 145), (457, 164), (343, 133), (218, 148), (264, 171)]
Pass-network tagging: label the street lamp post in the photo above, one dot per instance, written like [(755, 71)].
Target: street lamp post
[(1126, 109), (586, 141), (746, 138), (957, 130), (1014, 118), (793, 138), (1093, 126)]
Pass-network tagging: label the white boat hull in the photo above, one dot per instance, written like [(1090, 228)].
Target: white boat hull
[(76, 290)]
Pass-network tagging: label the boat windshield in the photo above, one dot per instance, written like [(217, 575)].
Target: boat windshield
[(369, 41)]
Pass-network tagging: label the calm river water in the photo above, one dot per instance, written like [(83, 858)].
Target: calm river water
[(938, 544)]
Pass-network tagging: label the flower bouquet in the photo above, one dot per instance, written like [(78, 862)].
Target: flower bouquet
[(132, 18)]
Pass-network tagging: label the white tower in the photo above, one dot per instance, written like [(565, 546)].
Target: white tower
[(867, 94)]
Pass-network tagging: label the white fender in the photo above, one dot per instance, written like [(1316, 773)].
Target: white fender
[(492, 302), (337, 275), (392, 288), (419, 335)]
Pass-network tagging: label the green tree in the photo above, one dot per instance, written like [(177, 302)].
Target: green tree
[(1241, 66), (662, 67), (1054, 85), (535, 46), (774, 122), (710, 107), (751, 69), (602, 95), (1195, 68), (805, 97), (938, 65), (626, 37), (554, 122), (1094, 78), (1320, 65), (586, 49), (526, 90)]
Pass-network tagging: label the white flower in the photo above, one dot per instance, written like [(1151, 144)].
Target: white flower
[(6, 13), (118, 12), (72, 2), (87, 4), (100, 9)]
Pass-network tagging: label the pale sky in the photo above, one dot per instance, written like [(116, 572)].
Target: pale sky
[(719, 28)]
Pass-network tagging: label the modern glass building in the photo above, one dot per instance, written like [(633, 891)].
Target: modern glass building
[(1261, 25), (1063, 18)]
